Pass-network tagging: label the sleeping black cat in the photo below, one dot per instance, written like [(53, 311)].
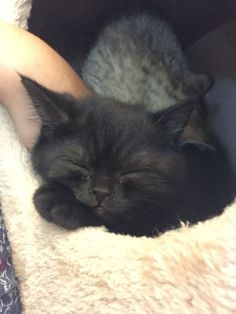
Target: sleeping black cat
[(135, 172)]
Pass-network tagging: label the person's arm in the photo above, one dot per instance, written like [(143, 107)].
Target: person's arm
[(29, 55), (24, 53)]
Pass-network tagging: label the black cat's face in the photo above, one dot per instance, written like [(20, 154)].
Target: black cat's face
[(119, 161), (119, 179)]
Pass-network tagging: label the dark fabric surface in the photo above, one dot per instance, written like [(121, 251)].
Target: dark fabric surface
[(9, 294), (71, 25)]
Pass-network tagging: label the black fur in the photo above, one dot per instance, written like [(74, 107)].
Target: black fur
[(135, 172)]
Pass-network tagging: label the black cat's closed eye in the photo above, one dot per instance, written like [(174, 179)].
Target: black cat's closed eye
[(81, 169), (81, 166), (83, 174), (130, 174), (75, 176), (78, 173)]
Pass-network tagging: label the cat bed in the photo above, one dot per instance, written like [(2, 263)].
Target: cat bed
[(189, 270)]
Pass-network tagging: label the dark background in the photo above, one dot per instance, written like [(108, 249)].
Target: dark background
[(70, 26)]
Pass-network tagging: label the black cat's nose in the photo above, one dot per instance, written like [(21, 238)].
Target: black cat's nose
[(101, 193)]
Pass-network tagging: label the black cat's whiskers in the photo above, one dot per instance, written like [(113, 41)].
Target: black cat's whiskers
[(145, 199), (139, 211)]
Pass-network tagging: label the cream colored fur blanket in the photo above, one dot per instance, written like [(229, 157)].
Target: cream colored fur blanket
[(15, 11), (191, 270)]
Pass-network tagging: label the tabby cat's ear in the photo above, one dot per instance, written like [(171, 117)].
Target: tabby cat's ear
[(197, 85), (50, 108), (182, 126)]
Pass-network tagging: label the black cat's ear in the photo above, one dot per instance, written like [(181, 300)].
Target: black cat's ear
[(50, 107), (181, 126), (196, 134), (172, 121), (47, 103)]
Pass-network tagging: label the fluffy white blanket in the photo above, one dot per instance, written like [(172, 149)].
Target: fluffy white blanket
[(15, 11), (191, 270)]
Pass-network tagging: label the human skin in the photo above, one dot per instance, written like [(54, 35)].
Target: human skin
[(30, 56), (24, 53)]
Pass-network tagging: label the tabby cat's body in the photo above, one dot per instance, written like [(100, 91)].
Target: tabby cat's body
[(138, 60)]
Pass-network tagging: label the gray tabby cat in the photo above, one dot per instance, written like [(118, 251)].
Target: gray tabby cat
[(138, 59)]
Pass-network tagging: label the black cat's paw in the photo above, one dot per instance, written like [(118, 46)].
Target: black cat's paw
[(57, 204)]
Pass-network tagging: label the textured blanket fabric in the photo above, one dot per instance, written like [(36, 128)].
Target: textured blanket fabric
[(9, 296), (191, 270), (15, 12)]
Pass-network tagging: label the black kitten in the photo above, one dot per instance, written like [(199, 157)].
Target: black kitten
[(135, 172)]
